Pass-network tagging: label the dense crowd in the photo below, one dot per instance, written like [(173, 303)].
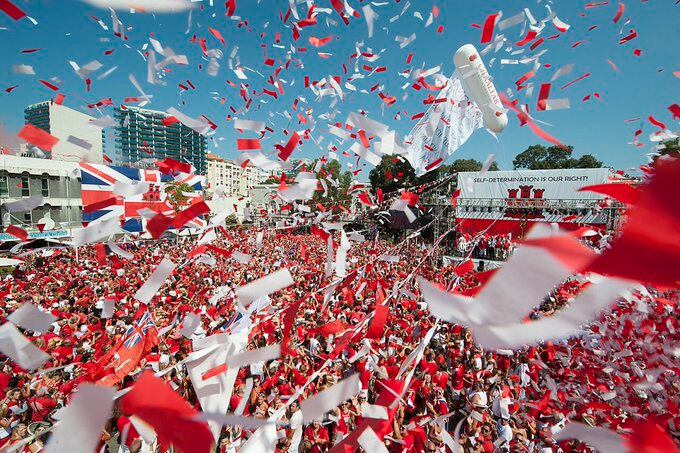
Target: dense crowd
[(490, 401), (489, 246)]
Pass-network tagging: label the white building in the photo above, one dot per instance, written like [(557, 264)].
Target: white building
[(58, 182), (78, 139), (231, 178)]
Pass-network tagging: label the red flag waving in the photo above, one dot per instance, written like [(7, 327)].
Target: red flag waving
[(168, 414), (124, 357)]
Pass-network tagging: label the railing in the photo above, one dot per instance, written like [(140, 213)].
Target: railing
[(528, 203)]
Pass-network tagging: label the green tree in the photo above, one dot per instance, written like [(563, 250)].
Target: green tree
[(538, 157), (335, 195), (176, 195), (460, 165), (394, 173), (669, 147)]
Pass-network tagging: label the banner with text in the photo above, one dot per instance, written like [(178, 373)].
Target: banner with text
[(532, 184)]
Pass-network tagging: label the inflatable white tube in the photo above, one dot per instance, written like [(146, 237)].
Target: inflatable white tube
[(480, 88)]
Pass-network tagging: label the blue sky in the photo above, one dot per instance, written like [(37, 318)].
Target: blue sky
[(644, 86)]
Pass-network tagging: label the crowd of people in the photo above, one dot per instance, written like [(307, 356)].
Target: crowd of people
[(489, 401), (497, 247)]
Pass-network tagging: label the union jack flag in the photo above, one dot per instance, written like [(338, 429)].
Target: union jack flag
[(101, 203), (137, 331)]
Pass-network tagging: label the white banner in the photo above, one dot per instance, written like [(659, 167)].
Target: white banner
[(524, 185), (444, 129)]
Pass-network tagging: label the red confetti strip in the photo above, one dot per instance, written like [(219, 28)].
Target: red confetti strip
[(217, 35), (231, 7), (340, 9), (524, 78), (621, 192), (286, 151), (193, 211), (536, 44), (584, 76), (619, 13), (543, 95), (169, 121), (248, 144), (10, 89), (675, 110), (316, 42), (103, 204), (49, 85), (525, 119), (632, 35), (530, 36), (388, 100), (17, 232), (32, 50), (637, 52), (489, 25), (11, 10), (454, 198), (37, 137), (596, 4), (614, 67), (364, 140), (656, 122), (59, 100)]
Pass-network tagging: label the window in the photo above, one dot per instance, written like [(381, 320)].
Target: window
[(4, 186), (28, 217), (25, 189), (45, 187)]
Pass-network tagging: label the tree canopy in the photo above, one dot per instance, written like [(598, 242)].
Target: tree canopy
[(538, 157), (335, 195), (669, 147), (393, 173), (176, 195)]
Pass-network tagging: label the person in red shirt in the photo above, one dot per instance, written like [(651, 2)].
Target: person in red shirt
[(315, 439)]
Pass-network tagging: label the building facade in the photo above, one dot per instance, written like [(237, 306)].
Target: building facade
[(141, 135), (231, 178), (78, 139), (58, 182)]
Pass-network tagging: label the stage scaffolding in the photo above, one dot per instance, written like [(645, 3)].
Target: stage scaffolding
[(438, 201)]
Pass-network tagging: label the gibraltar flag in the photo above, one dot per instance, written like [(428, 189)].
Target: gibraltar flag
[(124, 357)]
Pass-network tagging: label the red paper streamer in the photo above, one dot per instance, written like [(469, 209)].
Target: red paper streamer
[(489, 25), (11, 10), (621, 192), (656, 122), (248, 144), (531, 35), (231, 7), (286, 151), (619, 13), (49, 85), (316, 42), (525, 119), (543, 95), (584, 76), (37, 137), (217, 35), (675, 110), (17, 232)]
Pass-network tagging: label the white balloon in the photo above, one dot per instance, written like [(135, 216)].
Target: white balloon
[(480, 88)]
